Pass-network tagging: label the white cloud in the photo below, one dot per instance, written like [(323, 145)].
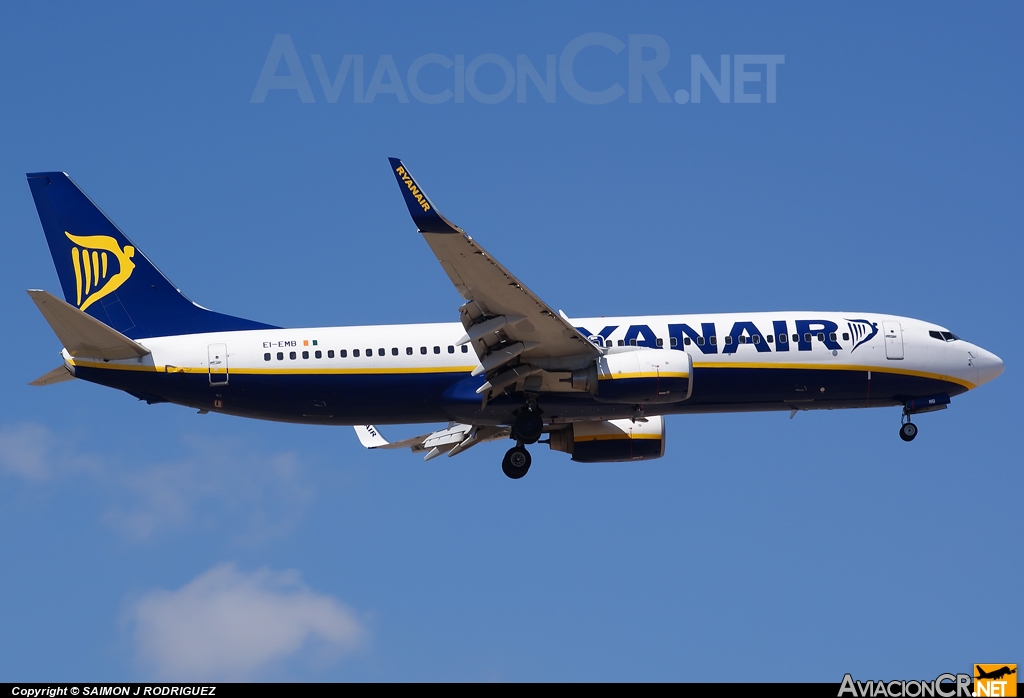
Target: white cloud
[(257, 494), (25, 450), (227, 624), (261, 491)]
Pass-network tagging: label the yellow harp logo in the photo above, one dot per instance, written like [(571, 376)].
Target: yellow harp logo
[(95, 276)]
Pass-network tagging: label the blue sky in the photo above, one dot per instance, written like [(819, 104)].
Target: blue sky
[(147, 542)]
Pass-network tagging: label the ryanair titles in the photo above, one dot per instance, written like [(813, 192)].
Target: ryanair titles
[(798, 335), (413, 189)]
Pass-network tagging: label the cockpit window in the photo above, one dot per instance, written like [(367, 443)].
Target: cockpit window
[(944, 336)]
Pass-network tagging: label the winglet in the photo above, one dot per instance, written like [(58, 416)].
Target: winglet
[(424, 214), (369, 437)]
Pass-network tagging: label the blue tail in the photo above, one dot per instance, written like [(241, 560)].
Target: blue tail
[(105, 275)]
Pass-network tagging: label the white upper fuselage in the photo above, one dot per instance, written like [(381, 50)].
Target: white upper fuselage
[(430, 348)]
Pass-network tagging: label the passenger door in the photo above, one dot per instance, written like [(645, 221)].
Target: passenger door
[(893, 340)]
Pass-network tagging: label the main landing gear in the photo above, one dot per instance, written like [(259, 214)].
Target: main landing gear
[(528, 425), (908, 430), (526, 429), (516, 462)]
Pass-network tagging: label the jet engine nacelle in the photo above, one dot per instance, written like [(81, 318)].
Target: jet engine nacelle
[(638, 376), (612, 441)]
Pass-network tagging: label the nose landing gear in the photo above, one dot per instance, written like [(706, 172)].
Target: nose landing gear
[(908, 430)]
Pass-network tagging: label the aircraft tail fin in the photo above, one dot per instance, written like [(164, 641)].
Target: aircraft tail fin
[(83, 335), (103, 274)]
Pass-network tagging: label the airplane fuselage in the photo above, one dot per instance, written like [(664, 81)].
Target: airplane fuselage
[(393, 374)]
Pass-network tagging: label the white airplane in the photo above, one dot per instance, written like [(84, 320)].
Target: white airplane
[(512, 367)]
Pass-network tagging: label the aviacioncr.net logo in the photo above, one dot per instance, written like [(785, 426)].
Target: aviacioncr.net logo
[(101, 266)]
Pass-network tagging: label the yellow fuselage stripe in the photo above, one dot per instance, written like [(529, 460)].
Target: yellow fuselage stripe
[(615, 437), (270, 371), (617, 376)]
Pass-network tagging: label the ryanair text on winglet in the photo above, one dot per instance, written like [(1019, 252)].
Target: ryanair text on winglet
[(943, 686), (413, 189)]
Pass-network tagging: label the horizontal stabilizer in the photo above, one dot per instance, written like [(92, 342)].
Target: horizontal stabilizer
[(57, 375), (83, 335)]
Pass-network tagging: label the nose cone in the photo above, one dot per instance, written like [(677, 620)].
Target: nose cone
[(989, 366)]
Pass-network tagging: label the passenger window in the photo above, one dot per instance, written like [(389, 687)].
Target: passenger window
[(796, 337), (782, 339), (769, 338), (394, 351), (632, 342), (451, 349), (465, 348), (330, 353), (713, 339), (673, 341), (821, 336), (832, 336), (807, 337), (687, 340), (291, 355), (621, 343), (408, 351), (380, 352), (266, 357), (728, 340), (846, 336), (280, 356), (423, 350), (318, 354), (700, 341), (742, 339), (343, 353), (756, 339), (305, 354), (437, 350), (355, 352)]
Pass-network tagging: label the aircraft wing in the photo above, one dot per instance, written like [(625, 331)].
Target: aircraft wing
[(503, 318), (452, 440)]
